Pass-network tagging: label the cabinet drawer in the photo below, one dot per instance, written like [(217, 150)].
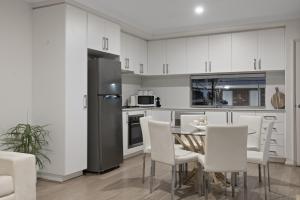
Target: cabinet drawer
[(276, 151), (277, 117), (276, 139), (278, 128)]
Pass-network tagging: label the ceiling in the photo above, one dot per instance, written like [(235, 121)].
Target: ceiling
[(163, 17)]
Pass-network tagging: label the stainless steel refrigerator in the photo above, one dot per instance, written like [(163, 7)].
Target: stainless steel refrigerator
[(105, 143)]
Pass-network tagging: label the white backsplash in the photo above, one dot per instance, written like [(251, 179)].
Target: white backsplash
[(174, 91)]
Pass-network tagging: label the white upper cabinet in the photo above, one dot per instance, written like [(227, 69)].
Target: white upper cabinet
[(219, 53), (244, 51), (133, 54), (271, 48), (112, 33), (197, 54), (156, 57), (176, 56), (128, 52), (258, 50), (142, 59), (103, 35)]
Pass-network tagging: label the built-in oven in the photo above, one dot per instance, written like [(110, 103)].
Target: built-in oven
[(135, 137)]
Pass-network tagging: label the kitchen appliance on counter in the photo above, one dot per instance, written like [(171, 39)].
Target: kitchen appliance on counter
[(145, 100), (132, 101), (105, 142)]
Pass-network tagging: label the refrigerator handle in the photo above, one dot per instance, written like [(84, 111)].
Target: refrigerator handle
[(85, 101)]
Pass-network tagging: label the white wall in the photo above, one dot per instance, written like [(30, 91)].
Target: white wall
[(292, 33), (174, 91), (15, 62), (130, 85)]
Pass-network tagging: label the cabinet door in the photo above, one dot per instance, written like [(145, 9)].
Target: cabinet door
[(217, 118), (197, 54), (244, 51), (156, 57), (95, 33), (142, 51), (112, 33), (234, 118), (271, 48), (176, 56), (220, 53), (123, 55), (75, 100)]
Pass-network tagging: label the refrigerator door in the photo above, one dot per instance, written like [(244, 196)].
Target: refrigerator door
[(110, 131), (109, 77)]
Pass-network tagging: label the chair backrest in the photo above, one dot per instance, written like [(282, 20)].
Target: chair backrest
[(186, 120), (266, 147), (144, 121), (253, 123), (162, 142), (226, 148)]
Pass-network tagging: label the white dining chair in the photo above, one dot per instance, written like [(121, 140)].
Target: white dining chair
[(254, 140), (146, 140), (225, 151), (254, 123), (262, 157), (186, 127), (163, 151)]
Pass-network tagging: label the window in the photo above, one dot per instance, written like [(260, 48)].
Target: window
[(228, 90)]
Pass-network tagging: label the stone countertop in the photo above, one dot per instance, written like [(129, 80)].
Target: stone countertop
[(204, 109)]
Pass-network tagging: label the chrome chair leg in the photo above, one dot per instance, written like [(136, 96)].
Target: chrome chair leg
[(206, 185), (259, 173), (233, 183), (265, 182), (199, 179), (245, 186), (269, 180), (152, 175), (144, 163), (173, 182)]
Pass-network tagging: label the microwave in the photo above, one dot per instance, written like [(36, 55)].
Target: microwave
[(145, 100)]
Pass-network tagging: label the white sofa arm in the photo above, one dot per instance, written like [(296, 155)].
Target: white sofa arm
[(23, 170)]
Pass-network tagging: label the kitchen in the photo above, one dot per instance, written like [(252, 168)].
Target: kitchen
[(95, 68)]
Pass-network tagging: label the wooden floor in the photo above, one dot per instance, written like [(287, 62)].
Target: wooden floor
[(125, 183)]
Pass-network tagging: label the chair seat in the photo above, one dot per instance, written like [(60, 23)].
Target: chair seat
[(183, 156), (177, 146), (6, 186), (147, 150), (255, 157), (201, 159), (252, 148)]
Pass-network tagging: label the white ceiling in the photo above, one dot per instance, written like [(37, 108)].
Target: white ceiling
[(162, 17)]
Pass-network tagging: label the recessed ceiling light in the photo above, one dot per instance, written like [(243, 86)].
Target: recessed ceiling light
[(199, 10)]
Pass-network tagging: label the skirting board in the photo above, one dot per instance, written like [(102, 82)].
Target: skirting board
[(132, 154), (58, 178)]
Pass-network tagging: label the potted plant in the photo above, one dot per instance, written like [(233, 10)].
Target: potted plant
[(26, 138)]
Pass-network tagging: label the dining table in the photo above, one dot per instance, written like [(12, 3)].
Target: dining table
[(195, 141)]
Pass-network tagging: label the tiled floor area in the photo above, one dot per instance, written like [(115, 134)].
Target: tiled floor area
[(125, 183)]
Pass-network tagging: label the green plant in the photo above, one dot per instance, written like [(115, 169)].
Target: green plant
[(25, 138)]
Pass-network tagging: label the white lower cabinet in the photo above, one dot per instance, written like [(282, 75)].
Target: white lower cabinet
[(278, 132), (126, 150)]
